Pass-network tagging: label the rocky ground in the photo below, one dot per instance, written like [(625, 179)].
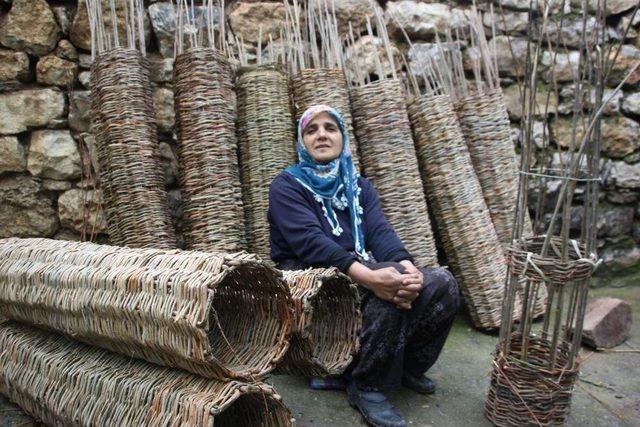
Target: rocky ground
[(607, 393)]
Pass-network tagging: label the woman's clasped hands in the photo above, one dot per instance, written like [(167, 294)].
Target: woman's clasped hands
[(390, 285)]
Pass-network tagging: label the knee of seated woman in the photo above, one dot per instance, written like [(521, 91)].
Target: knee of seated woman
[(446, 284)]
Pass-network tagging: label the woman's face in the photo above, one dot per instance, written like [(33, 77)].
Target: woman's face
[(322, 138)]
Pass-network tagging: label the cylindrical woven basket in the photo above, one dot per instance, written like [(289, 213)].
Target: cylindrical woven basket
[(326, 86), (63, 382), (327, 321), (485, 125), (525, 260), (207, 151), (266, 141), (388, 159), (470, 241), (216, 316), (131, 175), (524, 393)]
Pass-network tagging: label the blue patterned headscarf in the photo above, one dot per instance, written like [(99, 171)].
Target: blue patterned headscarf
[(334, 185)]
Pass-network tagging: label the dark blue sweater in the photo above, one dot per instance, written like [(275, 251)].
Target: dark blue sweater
[(299, 231)]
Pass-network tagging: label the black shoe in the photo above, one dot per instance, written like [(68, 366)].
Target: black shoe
[(374, 407), (419, 384)]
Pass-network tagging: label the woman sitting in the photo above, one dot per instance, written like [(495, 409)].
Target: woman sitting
[(322, 214)]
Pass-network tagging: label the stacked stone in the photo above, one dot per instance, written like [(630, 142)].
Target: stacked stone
[(45, 183)]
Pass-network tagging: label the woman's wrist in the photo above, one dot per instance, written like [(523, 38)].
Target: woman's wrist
[(361, 274)]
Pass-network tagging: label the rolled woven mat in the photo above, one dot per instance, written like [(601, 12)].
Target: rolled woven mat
[(217, 316), (207, 151), (470, 241), (527, 393), (131, 175), (62, 382), (485, 125), (327, 321), (326, 86), (266, 141), (388, 159)]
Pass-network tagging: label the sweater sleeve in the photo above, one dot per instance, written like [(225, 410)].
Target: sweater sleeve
[(380, 238), (291, 214)]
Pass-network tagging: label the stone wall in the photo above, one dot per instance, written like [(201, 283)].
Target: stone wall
[(46, 165)]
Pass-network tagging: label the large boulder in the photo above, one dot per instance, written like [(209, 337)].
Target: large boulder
[(25, 210), (163, 21), (511, 22), (361, 57), (511, 54), (563, 30), (72, 205), (30, 26), (419, 54), (13, 156), (620, 136), (80, 33), (246, 19), (52, 70), (611, 99), (355, 12), (423, 20), (66, 50), (160, 69), (614, 221), (626, 59), (514, 104), (169, 161), (54, 154), (554, 5), (165, 115), (64, 17), (24, 109), (13, 65), (613, 6), (80, 111), (560, 67), (624, 175), (631, 103)]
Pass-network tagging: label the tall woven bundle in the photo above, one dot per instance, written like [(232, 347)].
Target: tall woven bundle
[(327, 86), (485, 125), (131, 176), (462, 216), (207, 151), (327, 321), (389, 160), (63, 382), (216, 316), (266, 140)]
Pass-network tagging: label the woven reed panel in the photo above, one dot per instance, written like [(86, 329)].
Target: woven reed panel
[(131, 175), (326, 86), (207, 151), (327, 321), (388, 159), (213, 315), (485, 125), (63, 382), (453, 190), (266, 139), (530, 392)]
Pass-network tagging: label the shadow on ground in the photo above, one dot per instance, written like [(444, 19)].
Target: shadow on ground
[(607, 394)]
